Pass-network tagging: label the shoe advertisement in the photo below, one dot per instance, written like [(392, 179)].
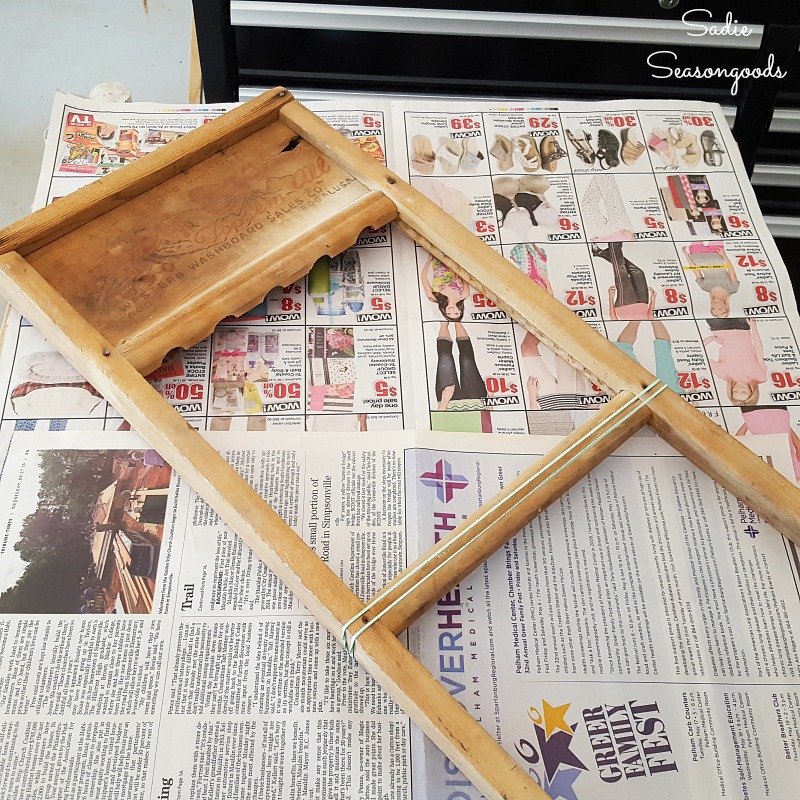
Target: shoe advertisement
[(684, 141), (448, 144), (635, 219), (605, 142), (526, 143), (536, 208)]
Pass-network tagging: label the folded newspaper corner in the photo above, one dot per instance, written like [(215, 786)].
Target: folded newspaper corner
[(111, 276)]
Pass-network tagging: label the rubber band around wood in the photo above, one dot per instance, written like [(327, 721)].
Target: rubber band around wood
[(636, 399)]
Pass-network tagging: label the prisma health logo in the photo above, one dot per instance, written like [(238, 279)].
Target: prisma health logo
[(444, 480)]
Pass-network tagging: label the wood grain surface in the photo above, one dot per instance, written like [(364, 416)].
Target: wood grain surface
[(161, 270)]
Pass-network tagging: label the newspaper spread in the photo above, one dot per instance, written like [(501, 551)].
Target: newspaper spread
[(638, 217), (636, 640), (663, 648)]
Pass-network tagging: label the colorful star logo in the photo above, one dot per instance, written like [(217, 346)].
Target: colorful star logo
[(444, 481), (554, 737)]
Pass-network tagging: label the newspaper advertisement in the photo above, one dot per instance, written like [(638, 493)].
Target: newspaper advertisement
[(640, 219), (320, 354), (637, 638), (637, 216)]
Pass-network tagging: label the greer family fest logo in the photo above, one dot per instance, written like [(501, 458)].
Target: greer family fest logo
[(665, 61)]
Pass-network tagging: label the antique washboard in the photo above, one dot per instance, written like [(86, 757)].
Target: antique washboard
[(153, 256)]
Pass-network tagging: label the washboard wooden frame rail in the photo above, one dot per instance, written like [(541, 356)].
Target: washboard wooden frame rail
[(120, 272)]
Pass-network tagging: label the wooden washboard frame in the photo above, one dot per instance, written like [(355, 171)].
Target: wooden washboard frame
[(153, 256)]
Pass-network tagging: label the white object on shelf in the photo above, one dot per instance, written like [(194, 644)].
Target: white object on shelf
[(111, 92)]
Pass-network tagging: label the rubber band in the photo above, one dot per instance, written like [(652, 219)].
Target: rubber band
[(633, 400), (350, 648)]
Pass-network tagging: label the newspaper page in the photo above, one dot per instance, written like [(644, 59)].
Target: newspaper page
[(320, 354), (146, 652), (637, 639), (638, 216)]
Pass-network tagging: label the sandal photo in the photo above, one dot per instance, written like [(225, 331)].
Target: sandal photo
[(502, 150), (423, 159), (472, 157), (712, 152), (581, 142), (691, 153), (607, 149), (449, 154), (632, 149), (681, 140), (527, 153), (506, 185), (503, 205), (550, 151), (660, 143)]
